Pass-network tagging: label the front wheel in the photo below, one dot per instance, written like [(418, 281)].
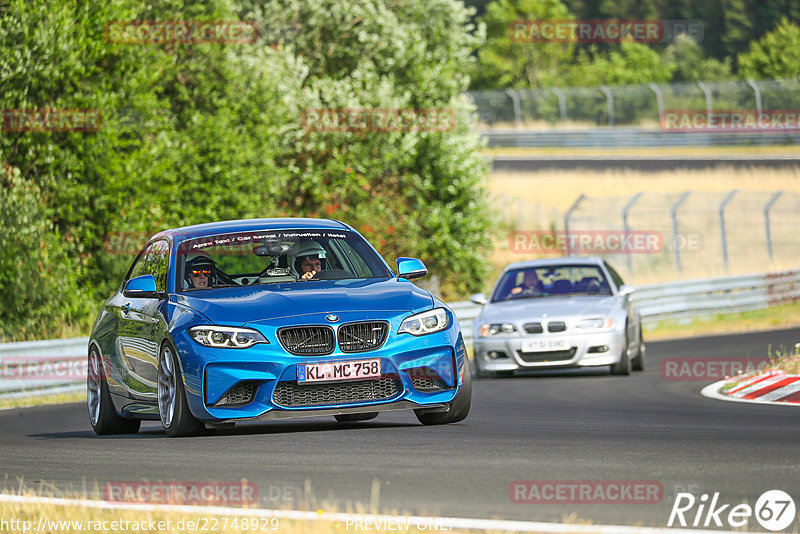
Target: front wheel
[(623, 366), (102, 416), (459, 408), (638, 362), (172, 406)]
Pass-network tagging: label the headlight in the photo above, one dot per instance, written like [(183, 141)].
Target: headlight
[(497, 328), (604, 323), (425, 323), (226, 336)]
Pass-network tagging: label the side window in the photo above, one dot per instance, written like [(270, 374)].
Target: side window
[(138, 266), (614, 276), (155, 261)]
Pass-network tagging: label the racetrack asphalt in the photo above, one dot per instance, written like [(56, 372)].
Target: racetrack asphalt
[(566, 426)]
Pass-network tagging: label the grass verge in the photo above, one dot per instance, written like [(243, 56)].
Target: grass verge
[(774, 318), (58, 398)]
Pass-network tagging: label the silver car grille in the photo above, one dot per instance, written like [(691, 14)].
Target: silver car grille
[(546, 357)]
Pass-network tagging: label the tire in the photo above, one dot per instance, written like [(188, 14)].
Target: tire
[(638, 362), (623, 367), (459, 408), (350, 417), (173, 409), (102, 415)]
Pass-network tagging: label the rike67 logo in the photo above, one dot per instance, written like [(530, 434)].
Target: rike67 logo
[(774, 510)]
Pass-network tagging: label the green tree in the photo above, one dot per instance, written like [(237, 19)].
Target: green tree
[(776, 55), (691, 65), (503, 62), (632, 63)]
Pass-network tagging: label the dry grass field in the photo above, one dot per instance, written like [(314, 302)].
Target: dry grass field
[(538, 201)]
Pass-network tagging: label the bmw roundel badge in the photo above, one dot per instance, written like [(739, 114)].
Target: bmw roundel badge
[(332, 318)]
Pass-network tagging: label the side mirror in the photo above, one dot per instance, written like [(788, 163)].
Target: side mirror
[(141, 287), (410, 268), (479, 298), (626, 290)]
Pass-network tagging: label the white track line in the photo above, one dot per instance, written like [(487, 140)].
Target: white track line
[(450, 522)]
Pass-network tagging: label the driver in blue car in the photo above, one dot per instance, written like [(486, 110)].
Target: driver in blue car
[(200, 271), (308, 259)]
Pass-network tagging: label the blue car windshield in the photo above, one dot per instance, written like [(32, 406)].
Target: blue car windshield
[(556, 280), (275, 256)]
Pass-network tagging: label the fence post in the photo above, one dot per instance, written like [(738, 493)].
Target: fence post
[(625, 211), (723, 234), (706, 91), (757, 92), (659, 99), (567, 215), (562, 103), (767, 207), (674, 215), (517, 108), (610, 101)]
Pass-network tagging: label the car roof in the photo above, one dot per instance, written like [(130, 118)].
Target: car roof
[(551, 262), (251, 225)]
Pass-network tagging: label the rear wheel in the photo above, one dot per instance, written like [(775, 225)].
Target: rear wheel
[(459, 408), (623, 366), (350, 417), (102, 416), (172, 406)]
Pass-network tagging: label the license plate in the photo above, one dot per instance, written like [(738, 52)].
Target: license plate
[(336, 371), (543, 345)]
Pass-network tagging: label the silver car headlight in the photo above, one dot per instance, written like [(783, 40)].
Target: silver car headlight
[(425, 323), (496, 328), (226, 336), (597, 323)]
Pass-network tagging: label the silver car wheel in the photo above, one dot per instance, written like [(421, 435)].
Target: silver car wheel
[(166, 388), (94, 387)]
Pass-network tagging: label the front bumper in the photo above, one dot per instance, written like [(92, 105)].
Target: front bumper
[(416, 373), (500, 353)]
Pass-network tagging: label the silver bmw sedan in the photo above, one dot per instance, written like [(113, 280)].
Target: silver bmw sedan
[(555, 313)]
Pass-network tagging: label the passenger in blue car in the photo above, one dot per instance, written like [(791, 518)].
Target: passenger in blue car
[(307, 259)]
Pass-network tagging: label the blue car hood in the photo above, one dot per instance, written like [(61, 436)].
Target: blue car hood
[(242, 305)]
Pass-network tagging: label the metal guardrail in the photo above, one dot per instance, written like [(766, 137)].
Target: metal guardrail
[(607, 137), (38, 367), (29, 368), (690, 298)]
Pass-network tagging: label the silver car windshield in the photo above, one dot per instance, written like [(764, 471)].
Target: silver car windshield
[(557, 280)]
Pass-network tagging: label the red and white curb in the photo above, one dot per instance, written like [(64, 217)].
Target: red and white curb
[(773, 387), (376, 522)]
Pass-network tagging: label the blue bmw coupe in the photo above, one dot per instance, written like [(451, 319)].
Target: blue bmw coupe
[(268, 319)]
